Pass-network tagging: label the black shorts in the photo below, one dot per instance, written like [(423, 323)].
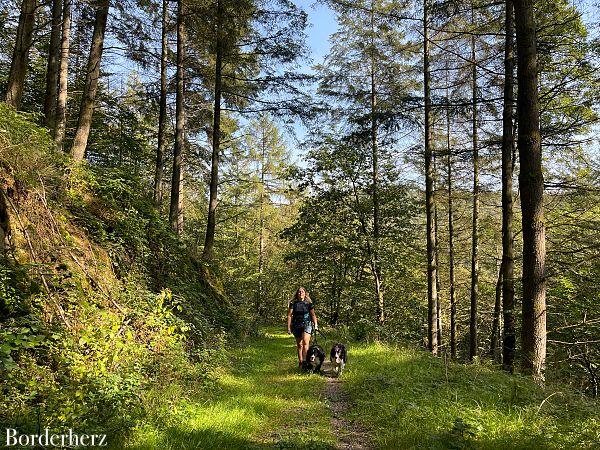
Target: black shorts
[(299, 330)]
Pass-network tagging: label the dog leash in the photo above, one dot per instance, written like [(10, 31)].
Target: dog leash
[(314, 333)]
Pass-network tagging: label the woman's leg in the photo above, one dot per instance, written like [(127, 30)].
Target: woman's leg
[(305, 345), (299, 347)]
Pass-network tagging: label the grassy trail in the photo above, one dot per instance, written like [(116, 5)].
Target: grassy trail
[(259, 401), (389, 398)]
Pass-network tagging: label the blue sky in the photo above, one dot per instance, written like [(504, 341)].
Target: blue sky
[(322, 25)]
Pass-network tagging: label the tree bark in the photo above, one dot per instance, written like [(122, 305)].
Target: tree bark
[(531, 185), (209, 241), (432, 295), (63, 79), (162, 115), (437, 249), (176, 206), (495, 336), (473, 341), (261, 243), (90, 90), (20, 57), (4, 224), (375, 179), (508, 143), (51, 97), (451, 235)]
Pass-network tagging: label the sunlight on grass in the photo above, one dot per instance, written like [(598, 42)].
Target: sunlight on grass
[(259, 401), (414, 402), (402, 398)]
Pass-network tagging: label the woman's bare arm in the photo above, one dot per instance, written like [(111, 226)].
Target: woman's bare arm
[(289, 320), (314, 318)]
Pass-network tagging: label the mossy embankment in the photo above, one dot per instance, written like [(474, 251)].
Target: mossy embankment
[(99, 300)]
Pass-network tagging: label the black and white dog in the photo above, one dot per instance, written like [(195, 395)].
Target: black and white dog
[(338, 359), (314, 359)]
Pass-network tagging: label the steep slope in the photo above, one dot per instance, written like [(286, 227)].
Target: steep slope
[(99, 301)]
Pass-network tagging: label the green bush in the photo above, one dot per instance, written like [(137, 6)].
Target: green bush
[(150, 313)]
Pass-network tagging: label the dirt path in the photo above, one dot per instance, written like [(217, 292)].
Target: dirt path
[(350, 435)]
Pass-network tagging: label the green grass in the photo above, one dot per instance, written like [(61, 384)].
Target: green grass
[(259, 400), (407, 399), (402, 398)]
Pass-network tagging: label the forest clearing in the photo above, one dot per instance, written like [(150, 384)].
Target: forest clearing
[(416, 181)]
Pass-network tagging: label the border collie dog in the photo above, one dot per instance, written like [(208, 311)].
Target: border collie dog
[(314, 359), (338, 359)]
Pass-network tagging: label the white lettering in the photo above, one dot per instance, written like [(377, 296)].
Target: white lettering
[(47, 439), (11, 440), (44, 439), (24, 443), (71, 436)]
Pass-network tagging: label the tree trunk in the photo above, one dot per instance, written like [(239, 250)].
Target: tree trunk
[(343, 269), (176, 206), (451, 236), (473, 342), (437, 249), (432, 295), (531, 185), (375, 179), (495, 336), (51, 96), (261, 243), (162, 115), (4, 224), (84, 122), (63, 79), (20, 57), (209, 241), (508, 143)]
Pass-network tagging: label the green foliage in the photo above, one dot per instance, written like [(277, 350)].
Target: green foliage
[(24, 149), (331, 243), (123, 305), (256, 200)]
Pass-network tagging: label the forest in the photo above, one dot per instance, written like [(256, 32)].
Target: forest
[(171, 172)]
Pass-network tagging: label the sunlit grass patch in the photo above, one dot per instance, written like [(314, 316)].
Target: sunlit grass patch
[(408, 399), (259, 400)]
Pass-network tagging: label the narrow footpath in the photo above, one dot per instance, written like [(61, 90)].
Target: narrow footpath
[(388, 397), (351, 436)]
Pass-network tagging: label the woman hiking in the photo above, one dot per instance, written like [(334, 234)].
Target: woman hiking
[(300, 319)]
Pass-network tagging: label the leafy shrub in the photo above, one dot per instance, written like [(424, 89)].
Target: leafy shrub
[(139, 309)]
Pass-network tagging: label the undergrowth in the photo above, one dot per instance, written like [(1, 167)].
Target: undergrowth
[(99, 301)]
